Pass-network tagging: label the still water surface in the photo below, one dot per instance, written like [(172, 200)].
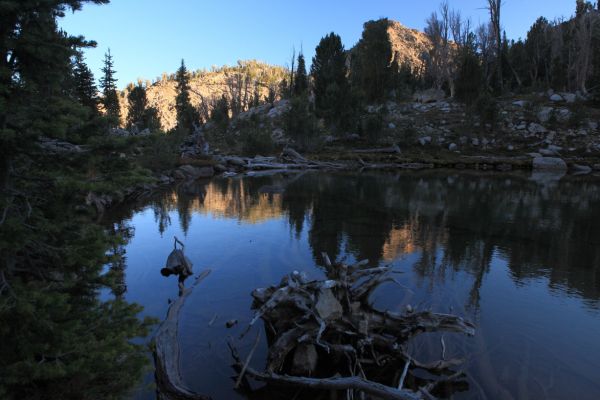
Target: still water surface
[(519, 257)]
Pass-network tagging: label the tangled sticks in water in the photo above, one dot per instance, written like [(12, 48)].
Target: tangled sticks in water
[(326, 335)]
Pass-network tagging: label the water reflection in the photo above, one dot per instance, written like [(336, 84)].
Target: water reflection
[(116, 273), (452, 221), (463, 238)]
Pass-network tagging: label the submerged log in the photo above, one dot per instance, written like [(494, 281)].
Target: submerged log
[(169, 385)]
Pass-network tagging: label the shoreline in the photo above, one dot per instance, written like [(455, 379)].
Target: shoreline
[(241, 167)]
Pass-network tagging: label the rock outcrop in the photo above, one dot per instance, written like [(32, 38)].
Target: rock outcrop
[(208, 86), (408, 45)]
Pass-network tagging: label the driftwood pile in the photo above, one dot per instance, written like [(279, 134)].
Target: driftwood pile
[(326, 335)]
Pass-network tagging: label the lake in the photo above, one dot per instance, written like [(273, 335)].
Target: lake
[(517, 255)]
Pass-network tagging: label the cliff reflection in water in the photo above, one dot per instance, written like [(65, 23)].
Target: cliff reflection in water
[(449, 221)]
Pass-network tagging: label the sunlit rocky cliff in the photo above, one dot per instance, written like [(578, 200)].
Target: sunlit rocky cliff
[(241, 81)]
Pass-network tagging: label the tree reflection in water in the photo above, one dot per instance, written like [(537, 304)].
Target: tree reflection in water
[(456, 221)]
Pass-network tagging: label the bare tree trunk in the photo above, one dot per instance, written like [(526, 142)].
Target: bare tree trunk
[(494, 7), (583, 42), (516, 75), (291, 88), (452, 87)]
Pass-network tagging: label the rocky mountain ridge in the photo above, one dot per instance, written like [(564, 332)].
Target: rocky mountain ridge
[(241, 80)]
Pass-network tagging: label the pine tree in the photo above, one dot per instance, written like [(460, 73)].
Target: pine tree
[(152, 119), (404, 80), (284, 89), (328, 72), (504, 59), (220, 113), (272, 94), (301, 79), (84, 85), (469, 79), (371, 72), (538, 48), (59, 339), (140, 115), (256, 97), (582, 7), (301, 124), (138, 102), (108, 83), (518, 59), (187, 116), (35, 75)]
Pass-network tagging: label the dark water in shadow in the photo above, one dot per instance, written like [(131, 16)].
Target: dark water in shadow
[(518, 257)]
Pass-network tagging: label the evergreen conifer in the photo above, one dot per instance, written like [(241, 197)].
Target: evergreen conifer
[(187, 116), (300, 79), (108, 83), (329, 76), (84, 85)]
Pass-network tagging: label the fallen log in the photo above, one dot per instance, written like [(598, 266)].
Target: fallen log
[(392, 149), (292, 166), (337, 383), (289, 154), (414, 165), (169, 385), (364, 165), (271, 172)]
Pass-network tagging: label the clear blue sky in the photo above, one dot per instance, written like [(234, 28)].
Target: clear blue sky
[(148, 37)]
